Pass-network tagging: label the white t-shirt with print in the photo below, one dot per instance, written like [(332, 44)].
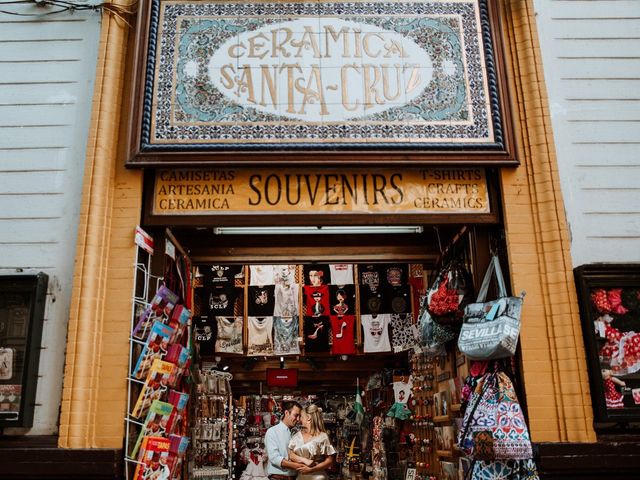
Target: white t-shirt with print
[(376, 332), (261, 275), (341, 273)]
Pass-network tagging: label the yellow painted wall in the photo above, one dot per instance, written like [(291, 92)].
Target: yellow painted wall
[(554, 367)]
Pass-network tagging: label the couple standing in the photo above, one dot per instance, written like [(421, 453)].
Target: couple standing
[(306, 454)]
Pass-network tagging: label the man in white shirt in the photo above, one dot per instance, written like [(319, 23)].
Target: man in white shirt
[(277, 442)]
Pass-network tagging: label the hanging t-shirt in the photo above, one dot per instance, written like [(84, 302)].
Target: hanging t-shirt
[(370, 276), (284, 274), (229, 339), (316, 300), (404, 334), (316, 274), (205, 334), (342, 299), (395, 275), (260, 274), (220, 300), (260, 336), (341, 273), (285, 336), (397, 299), (401, 393), (217, 274), (316, 334), (343, 334), (376, 333), (286, 300), (261, 301), (370, 302)]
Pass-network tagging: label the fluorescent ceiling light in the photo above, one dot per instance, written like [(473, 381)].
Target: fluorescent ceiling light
[(331, 230)]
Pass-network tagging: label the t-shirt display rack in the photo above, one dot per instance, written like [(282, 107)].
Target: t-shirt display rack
[(207, 322)]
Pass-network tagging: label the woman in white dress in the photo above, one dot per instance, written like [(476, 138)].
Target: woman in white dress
[(312, 446)]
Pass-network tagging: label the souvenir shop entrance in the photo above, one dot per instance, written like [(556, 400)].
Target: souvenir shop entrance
[(330, 320), (279, 308)]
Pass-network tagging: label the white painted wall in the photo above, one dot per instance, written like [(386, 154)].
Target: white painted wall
[(591, 58), (47, 71)]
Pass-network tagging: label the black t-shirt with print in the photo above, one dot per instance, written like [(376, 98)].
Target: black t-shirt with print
[(261, 301), (370, 277), (218, 274), (316, 334), (397, 299), (395, 274), (371, 303), (324, 276), (205, 329), (220, 300)]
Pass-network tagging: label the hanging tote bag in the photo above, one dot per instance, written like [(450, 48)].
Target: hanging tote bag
[(491, 329), (494, 427)]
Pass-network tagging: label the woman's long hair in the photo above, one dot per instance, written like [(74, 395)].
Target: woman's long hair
[(315, 414)]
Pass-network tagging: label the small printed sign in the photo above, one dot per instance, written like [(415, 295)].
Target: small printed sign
[(144, 240)]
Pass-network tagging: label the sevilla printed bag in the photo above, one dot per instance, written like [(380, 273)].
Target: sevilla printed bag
[(491, 329), (451, 291), (494, 427)]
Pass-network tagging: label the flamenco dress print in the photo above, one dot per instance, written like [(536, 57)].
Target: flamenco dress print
[(285, 336), (401, 394), (342, 299), (613, 398), (622, 349)]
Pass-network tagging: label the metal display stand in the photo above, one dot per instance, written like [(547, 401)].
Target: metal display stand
[(141, 298), (157, 403), (212, 428)]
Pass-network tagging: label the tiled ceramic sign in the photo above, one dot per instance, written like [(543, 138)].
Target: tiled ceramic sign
[(319, 75)]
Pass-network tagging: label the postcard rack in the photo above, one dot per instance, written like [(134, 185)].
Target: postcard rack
[(159, 387)]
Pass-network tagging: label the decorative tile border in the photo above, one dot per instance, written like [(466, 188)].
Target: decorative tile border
[(226, 75)]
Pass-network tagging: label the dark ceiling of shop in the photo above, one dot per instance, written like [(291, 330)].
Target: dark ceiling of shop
[(204, 246)]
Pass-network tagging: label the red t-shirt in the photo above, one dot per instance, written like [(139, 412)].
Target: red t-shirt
[(343, 333), (316, 300)]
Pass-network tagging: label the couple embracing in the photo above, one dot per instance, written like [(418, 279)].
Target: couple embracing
[(307, 454)]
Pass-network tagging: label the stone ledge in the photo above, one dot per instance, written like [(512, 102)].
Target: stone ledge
[(38, 457)]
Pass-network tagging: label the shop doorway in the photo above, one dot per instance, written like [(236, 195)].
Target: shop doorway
[(325, 320), (348, 289)]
